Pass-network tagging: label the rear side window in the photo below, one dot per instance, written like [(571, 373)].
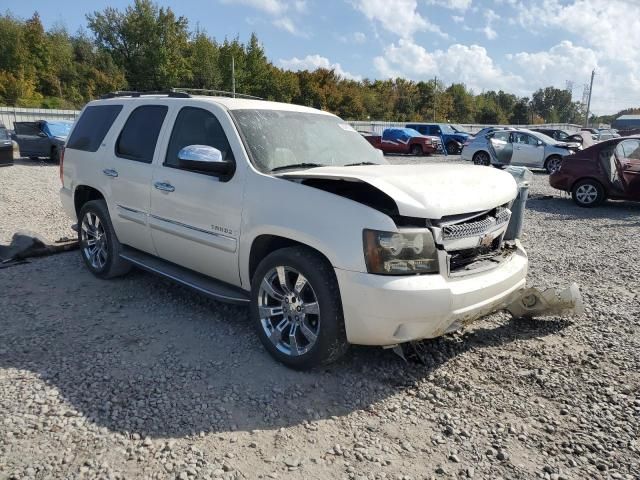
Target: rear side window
[(93, 125), (195, 126), (138, 138)]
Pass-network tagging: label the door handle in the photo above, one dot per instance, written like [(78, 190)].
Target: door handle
[(165, 187), (109, 172)]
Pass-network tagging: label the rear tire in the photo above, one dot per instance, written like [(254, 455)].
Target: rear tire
[(295, 290), (55, 155), (99, 246), (481, 158), (416, 150), (588, 193)]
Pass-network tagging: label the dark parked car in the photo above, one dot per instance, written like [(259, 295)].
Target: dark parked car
[(453, 140), (41, 138), (610, 169), (559, 135), (6, 147), (403, 140)]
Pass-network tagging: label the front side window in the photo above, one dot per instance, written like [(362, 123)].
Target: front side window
[(196, 126), (4, 134), (27, 128), (524, 139), (92, 127), (279, 139), (138, 138)]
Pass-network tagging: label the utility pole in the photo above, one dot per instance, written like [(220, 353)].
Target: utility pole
[(435, 96), (586, 119), (233, 76)]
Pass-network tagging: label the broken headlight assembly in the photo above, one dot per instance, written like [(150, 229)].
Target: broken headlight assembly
[(400, 253)]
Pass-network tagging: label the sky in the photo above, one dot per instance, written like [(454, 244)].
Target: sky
[(514, 45)]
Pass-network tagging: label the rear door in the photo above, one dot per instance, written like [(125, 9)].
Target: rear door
[(628, 159), (195, 217), (126, 172)]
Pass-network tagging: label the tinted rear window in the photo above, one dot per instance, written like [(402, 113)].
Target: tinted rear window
[(138, 138), (93, 125)]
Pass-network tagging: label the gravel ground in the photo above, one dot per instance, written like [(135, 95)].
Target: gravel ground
[(139, 378)]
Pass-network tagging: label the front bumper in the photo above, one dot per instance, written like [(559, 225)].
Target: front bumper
[(386, 310)]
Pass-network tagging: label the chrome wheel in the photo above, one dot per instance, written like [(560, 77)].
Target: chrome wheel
[(289, 311), (586, 194), (94, 241), (553, 165)]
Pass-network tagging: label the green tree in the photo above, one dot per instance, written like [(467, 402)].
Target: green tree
[(149, 42)]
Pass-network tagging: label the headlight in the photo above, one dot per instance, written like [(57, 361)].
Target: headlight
[(400, 253)]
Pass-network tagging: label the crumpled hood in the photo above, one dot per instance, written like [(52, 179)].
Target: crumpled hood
[(428, 191)]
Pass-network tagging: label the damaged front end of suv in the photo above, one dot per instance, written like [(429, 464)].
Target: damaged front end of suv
[(441, 265)]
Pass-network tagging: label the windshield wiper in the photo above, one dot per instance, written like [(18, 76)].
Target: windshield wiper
[(297, 165), (360, 163)]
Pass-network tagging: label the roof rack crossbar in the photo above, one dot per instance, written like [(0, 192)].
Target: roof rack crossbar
[(206, 91), (130, 93)]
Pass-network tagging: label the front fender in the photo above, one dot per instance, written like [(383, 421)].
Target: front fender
[(325, 221)]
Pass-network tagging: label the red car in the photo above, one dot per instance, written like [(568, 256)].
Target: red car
[(403, 140), (610, 169)]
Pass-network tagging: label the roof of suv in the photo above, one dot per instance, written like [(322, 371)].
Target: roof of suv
[(227, 102)]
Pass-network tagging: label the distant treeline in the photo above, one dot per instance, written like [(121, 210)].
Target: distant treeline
[(147, 47)]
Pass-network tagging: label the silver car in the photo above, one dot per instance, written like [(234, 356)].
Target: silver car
[(518, 147)]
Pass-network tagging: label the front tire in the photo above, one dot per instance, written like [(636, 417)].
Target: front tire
[(55, 155), (416, 150), (297, 310), (552, 164), (99, 246), (453, 148), (588, 193)]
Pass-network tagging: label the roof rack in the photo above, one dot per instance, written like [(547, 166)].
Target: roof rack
[(128, 93), (178, 93), (217, 93)]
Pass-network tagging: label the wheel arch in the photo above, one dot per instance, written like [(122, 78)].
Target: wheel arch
[(83, 194), (265, 244), (550, 156)]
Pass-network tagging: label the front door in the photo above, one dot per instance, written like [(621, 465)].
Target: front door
[(31, 139), (527, 150), (500, 147), (126, 175), (195, 217), (628, 158)]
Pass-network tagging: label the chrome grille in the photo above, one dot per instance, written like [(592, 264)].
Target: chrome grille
[(477, 227)]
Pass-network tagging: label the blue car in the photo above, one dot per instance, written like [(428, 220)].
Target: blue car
[(41, 138), (452, 139)]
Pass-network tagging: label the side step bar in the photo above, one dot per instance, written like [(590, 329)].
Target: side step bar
[(212, 288)]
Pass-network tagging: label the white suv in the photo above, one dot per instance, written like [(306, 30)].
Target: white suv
[(290, 210)]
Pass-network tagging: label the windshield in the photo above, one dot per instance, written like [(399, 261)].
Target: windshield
[(277, 139), (458, 128), (58, 129), (4, 134), (447, 128)]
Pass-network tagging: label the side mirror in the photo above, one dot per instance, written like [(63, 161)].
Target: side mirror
[(205, 159), (540, 143), (43, 135)]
